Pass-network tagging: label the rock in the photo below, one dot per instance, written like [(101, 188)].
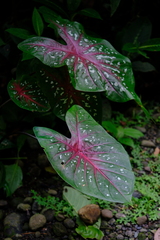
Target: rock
[(118, 227), (7, 238), (60, 217), (1, 214), (89, 213), (28, 200), (111, 221), (143, 230), (15, 201), (106, 213), (52, 192), (147, 168), (13, 224), (120, 236), (120, 215), (141, 220), (104, 225), (141, 236), (69, 223), (3, 203), (37, 234), (36, 207), (129, 233), (42, 160), (112, 235), (59, 229), (48, 213), (137, 194), (141, 129), (36, 221), (147, 143), (24, 206)]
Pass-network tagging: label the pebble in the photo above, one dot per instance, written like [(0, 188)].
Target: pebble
[(89, 213), (36, 221), (37, 234), (52, 192), (59, 229), (147, 143), (3, 203), (120, 236), (49, 214), (12, 224), (28, 200), (24, 206), (141, 220), (69, 223), (129, 233), (141, 129), (120, 215), (106, 213)]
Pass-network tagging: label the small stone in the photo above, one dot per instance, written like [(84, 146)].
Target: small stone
[(141, 236), (3, 203), (111, 221), (137, 194), (69, 223), (59, 229), (112, 235), (60, 217), (143, 230), (28, 200), (141, 220), (106, 213), (141, 129), (24, 207), (118, 227), (120, 236), (37, 234), (49, 214), (7, 238), (36, 221), (147, 143), (12, 224), (120, 215), (1, 214), (52, 192), (129, 233), (104, 225), (147, 168), (89, 213)]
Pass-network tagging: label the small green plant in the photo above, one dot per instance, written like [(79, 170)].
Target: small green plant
[(123, 134), (50, 202)]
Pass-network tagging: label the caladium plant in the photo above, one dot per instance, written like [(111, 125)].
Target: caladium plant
[(93, 63), (91, 160)]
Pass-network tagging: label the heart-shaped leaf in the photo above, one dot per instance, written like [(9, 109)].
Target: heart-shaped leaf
[(91, 160), (27, 94), (93, 63), (56, 85)]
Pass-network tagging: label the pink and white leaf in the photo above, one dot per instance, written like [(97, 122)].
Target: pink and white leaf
[(91, 160)]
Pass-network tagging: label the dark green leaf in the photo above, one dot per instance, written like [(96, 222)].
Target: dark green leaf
[(20, 33), (90, 12), (142, 66), (13, 177), (114, 5), (134, 133), (37, 22), (73, 5), (1, 42), (110, 127), (151, 45), (127, 141), (2, 175), (57, 86)]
